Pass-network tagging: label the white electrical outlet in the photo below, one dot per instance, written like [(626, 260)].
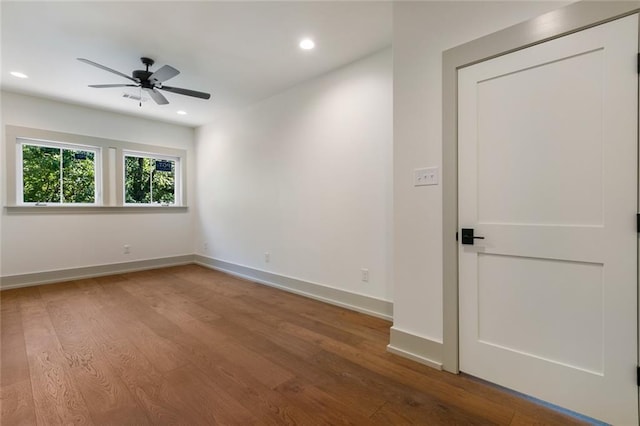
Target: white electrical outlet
[(426, 176), (364, 275), (267, 257), (205, 245), (126, 249)]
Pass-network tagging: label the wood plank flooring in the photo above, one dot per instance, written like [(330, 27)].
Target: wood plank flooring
[(191, 346)]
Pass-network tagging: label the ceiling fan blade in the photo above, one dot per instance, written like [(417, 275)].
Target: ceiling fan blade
[(157, 96), (187, 92), (104, 86), (164, 73), (102, 67)]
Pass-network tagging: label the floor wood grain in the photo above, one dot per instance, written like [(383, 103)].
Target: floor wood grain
[(187, 345)]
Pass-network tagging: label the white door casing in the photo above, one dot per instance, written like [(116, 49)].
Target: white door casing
[(547, 165)]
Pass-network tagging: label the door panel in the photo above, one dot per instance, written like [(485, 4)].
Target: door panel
[(567, 331), (548, 175), (556, 116)]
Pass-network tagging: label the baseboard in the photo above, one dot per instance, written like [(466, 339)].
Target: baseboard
[(49, 277), (356, 302), (416, 348)]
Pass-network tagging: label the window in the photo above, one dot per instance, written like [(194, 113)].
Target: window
[(151, 179), (57, 173), (51, 171)]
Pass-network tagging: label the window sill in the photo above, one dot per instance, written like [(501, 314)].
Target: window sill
[(93, 209)]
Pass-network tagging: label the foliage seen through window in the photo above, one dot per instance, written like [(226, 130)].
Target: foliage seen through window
[(149, 180), (57, 175)]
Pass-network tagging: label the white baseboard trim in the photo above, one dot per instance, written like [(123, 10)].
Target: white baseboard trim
[(355, 302), (50, 277), (416, 348)]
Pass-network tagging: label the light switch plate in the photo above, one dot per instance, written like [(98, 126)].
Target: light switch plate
[(426, 176)]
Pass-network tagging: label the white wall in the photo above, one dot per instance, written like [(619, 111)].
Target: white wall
[(422, 31), (42, 242), (305, 176)]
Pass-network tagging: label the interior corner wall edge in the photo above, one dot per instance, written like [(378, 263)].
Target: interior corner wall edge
[(415, 347), (32, 243), (299, 184)]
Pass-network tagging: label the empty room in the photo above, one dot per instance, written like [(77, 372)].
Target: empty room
[(319, 212)]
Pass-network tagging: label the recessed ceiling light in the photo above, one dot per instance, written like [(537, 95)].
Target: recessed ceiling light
[(19, 74), (182, 112), (307, 44)]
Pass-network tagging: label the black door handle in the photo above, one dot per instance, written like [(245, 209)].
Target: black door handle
[(468, 237)]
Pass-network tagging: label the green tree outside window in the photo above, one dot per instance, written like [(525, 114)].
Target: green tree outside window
[(144, 184), (57, 175)]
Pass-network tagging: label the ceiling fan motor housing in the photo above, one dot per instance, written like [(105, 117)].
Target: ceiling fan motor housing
[(143, 77)]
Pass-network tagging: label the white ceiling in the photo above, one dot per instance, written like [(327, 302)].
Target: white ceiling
[(240, 52)]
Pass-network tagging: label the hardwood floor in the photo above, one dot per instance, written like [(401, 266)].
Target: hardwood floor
[(188, 345)]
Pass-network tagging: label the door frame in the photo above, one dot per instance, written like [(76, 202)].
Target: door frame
[(572, 18)]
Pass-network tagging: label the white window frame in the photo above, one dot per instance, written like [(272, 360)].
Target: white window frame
[(97, 170), (177, 178), (109, 163)]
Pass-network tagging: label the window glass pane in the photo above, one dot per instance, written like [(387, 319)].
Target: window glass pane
[(78, 176), (137, 178), (40, 174), (163, 181), (149, 180)]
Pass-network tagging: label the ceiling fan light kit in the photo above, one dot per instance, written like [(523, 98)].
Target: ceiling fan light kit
[(135, 97), (149, 81)]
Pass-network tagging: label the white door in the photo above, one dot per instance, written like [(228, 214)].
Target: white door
[(548, 176)]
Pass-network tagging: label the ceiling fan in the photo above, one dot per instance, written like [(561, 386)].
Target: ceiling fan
[(151, 82)]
